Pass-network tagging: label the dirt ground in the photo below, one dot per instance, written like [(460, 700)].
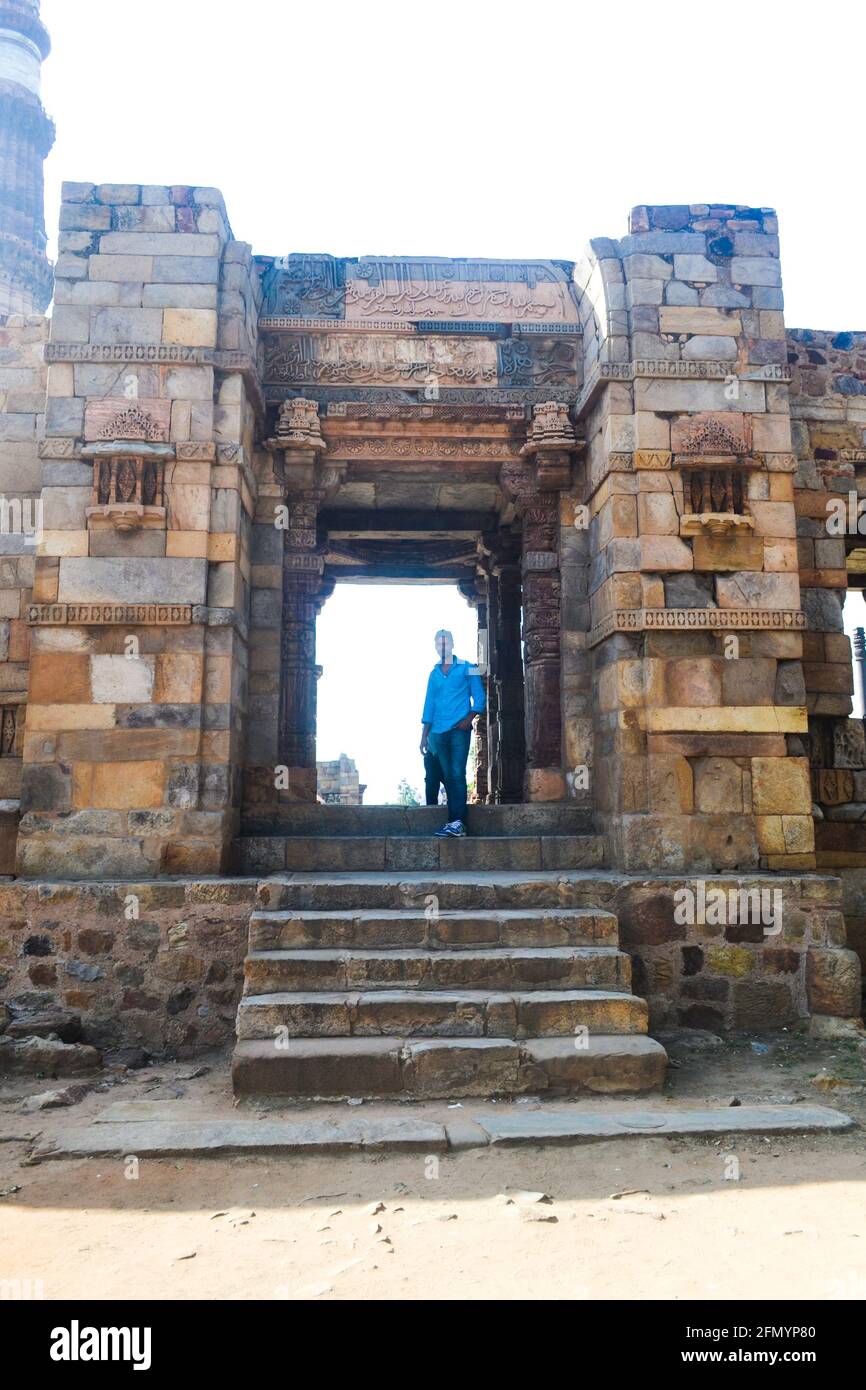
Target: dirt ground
[(623, 1219)]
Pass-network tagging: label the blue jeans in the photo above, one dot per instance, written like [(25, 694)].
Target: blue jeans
[(433, 778), (452, 750)]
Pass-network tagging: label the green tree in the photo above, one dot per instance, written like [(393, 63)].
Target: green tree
[(406, 794)]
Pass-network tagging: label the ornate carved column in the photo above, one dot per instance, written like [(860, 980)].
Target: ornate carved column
[(534, 485), (508, 681), (299, 445), (492, 718)]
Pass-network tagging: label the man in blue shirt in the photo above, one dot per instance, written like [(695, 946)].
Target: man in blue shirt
[(455, 694)]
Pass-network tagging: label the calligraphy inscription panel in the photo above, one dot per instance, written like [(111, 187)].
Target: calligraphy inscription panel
[(387, 359), (326, 287)]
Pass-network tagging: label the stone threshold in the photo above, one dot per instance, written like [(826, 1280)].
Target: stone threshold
[(395, 1130)]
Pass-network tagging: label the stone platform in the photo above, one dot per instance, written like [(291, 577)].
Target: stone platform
[(339, 838), (395, 1131)]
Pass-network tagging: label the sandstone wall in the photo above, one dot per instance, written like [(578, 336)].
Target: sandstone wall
[(22, 418), (828, 410), (141, 593), (696, 628)]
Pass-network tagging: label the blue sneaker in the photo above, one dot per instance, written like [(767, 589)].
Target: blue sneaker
[(454, 828)]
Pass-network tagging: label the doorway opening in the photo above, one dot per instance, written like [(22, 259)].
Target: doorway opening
[(374, 644)]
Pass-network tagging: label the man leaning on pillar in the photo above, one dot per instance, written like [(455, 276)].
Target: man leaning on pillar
[(455, 695)]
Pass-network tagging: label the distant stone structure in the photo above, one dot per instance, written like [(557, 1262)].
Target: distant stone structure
[(627, 463), (338, 782), (26, 137)]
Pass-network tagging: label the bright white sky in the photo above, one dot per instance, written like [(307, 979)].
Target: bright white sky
[(470, 129), (375, 644), (476, 129)]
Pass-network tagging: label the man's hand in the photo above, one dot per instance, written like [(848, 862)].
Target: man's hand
[(465, 723), (423, 744)]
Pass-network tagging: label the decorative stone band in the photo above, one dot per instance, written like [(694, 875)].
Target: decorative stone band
[(688, 371), (193, 451), (303, 562), (494, 328), (110, 614), (537, 560), (422, 447), (698, 620), (224, 359)]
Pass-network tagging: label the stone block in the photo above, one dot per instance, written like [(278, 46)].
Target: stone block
[(688, 267), (707, 347), (84, 217), (647, 267), (132, 581), (178, 678), (126, 326), (756, 270), (118, 786), (120, 268), (781, 786), (718, 786), (746, 590), (658, 514), (718, 554), (748, 681), (833, 981), (189, 245), (64, 416), (677, 319), (186, 270), (122, 680), (59, 678), (665, 553), (190, 327)]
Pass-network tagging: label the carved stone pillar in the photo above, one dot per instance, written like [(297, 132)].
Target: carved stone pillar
[(492, 719), (299, 445), (509, 696), (541, 648), (534, 484), (482, 784)]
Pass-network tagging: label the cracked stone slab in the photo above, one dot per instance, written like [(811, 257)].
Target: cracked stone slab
[(571, 1127), (162, 1139)]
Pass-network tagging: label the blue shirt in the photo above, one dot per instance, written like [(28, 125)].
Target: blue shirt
[(450, 698)]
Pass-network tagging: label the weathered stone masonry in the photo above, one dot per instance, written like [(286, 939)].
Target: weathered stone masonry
[(632, 453)]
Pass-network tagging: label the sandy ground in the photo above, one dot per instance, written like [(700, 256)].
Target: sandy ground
[(704, 1219)]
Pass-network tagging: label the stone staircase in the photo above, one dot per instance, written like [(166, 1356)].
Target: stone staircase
[(387, 964), (373, 838)]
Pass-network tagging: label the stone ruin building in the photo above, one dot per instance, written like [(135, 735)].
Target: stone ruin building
[(627, 463), (338, 783)]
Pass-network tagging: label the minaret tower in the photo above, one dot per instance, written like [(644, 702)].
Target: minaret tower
[(26, 136)]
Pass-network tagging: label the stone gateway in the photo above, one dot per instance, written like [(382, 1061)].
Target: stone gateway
[(626, 462)]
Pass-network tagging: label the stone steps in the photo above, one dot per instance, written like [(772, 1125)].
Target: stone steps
[(401, 928), (437, 1068), (417, 968), (478, 1013), (269, 854), (305, 819), (442, 892), (435, 984)]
